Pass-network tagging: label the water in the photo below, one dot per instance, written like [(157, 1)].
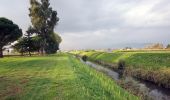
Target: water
[(149, 89)]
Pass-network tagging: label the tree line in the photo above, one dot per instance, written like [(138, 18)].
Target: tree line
[(157, 46), (39, 37)]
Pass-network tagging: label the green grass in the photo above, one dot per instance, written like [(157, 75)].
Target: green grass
[(58, 77), (145, 59), (154, 60), (149, 65)]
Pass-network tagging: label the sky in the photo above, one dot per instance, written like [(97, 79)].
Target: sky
[(101, 24)]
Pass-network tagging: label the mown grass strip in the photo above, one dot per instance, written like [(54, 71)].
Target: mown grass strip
[(57, 77)]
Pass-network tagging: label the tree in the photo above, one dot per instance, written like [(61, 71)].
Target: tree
[(25, 43), (155, 46), (43, 19), (9, 32), (168, 46), (21, 45), (53, 42), (36, 40), (28, 44)]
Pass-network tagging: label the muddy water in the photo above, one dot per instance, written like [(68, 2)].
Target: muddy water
[(149, 89)]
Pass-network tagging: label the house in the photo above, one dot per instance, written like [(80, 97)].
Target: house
[(8, 50)]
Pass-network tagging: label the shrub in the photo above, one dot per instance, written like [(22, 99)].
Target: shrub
[(84, 58), (121, 64)]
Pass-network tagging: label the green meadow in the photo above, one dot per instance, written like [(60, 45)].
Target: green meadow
[(55, 77)]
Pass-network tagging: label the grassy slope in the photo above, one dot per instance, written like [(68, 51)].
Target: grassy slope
[(55, 78), (147, 60), (149, 65)]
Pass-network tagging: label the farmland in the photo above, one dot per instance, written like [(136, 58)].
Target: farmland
[(55, 77), (147, 65)]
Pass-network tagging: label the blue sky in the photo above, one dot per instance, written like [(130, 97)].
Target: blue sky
[(95, 24)]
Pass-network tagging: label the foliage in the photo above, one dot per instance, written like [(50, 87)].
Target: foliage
[(121, 64), (168, 46), (9, 32), (36, 40), (21, 46), (53, 77), (155, 46), (28, 44), (53, 42), (84, 58), (44, 19)]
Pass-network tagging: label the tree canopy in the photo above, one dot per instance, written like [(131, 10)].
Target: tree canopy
[(53, 42), (29, 45), (168, 46), (9, 32), (44, 20)]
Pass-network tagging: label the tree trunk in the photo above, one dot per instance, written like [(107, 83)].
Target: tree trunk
[(39, 52), (43, 42), (1, 52), (29, 53), (42, 51), (22, 54)]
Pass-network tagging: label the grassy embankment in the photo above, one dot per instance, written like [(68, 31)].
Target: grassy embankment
[(153, 66), (59, 77)]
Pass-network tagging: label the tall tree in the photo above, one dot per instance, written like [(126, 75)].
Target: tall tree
[(43, 19), (9, 32)]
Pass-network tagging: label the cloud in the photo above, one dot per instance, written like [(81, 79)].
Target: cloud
[(101, 23), (115, 23), (147, 14), (115, 38), (17, 11)]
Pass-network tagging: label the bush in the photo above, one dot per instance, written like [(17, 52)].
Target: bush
[(84, 58), (121, 64)]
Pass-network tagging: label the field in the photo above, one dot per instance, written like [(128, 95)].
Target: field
[(148, 65), (55, 77)]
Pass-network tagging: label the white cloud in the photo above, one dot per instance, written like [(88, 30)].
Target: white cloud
[(142, 14)]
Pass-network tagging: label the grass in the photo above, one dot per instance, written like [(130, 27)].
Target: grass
[(150, 60), (147, 60), (57, 77), (149, 65)]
